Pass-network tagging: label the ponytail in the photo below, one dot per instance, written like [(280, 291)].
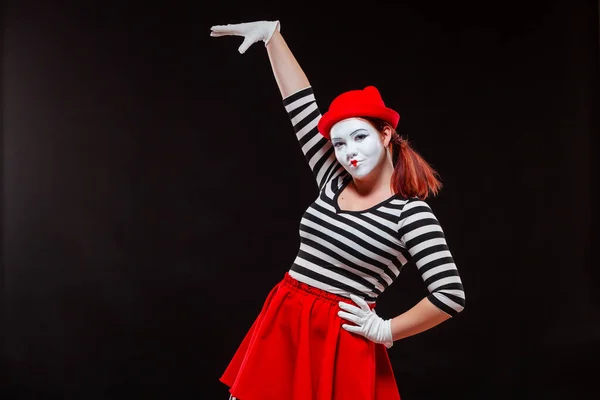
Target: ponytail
[(412, 176)]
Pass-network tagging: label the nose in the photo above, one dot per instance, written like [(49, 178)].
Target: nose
[(351, 154)]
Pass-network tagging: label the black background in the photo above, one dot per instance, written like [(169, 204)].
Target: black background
[(153, 188)]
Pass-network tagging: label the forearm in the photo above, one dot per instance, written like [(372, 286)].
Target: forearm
[(289, 76), (423, 316)]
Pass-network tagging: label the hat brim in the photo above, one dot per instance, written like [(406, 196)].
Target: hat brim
[(332, 117)]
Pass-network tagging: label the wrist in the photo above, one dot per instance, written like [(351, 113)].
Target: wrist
[(274, 26), (388, 339)]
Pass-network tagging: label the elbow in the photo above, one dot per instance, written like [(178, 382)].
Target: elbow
[(460, 303), (460, 308), (458, 297), (456, 303), (450, 303)]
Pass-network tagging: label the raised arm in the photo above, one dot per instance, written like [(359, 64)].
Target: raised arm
[(288, 74), (296, 92)]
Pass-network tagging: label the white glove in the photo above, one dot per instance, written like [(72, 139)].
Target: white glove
[(251, 31), (368, 323)]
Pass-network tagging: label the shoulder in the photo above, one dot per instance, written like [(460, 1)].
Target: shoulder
[(337, 181), (413, 210), (414, 205), (299, 98)]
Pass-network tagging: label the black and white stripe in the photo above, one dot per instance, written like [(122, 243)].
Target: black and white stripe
[(318, 151), (362, 252)]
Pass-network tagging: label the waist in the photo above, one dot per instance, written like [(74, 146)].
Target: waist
[(294, 283)]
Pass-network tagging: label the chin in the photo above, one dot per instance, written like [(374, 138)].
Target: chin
[(358, 175)]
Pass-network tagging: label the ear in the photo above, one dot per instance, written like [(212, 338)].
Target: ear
[(387, 135)]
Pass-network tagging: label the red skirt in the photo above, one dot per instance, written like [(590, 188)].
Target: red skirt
[(296, 349)]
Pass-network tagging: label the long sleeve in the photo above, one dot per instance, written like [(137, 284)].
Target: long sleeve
[(304, 114), (423, 237)]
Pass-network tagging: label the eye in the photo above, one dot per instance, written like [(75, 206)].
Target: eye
[(338, 144), (360, 136)]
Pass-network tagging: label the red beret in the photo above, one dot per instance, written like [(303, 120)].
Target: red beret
[(357, 103)]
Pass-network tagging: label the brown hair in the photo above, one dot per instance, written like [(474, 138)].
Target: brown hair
[(413, 176)]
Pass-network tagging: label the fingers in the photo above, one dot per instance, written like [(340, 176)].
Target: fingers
[(223, 30), (248, 41), (219, 34), (361, 302), (350, 308), (350, 317), (352, 328)]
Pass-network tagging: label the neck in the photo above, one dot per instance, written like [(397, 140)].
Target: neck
[(378, 180)]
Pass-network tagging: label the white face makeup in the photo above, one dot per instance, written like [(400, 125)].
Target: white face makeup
[(357, 146)]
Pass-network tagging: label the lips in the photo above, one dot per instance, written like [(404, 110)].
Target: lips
[(354, 163)]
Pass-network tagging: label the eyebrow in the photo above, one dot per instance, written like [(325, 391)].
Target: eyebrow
[(357, 130)]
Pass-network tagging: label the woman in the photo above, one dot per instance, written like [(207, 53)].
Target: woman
[(317, 335)]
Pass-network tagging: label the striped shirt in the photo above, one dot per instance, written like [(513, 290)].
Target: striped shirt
[(362, 252)]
